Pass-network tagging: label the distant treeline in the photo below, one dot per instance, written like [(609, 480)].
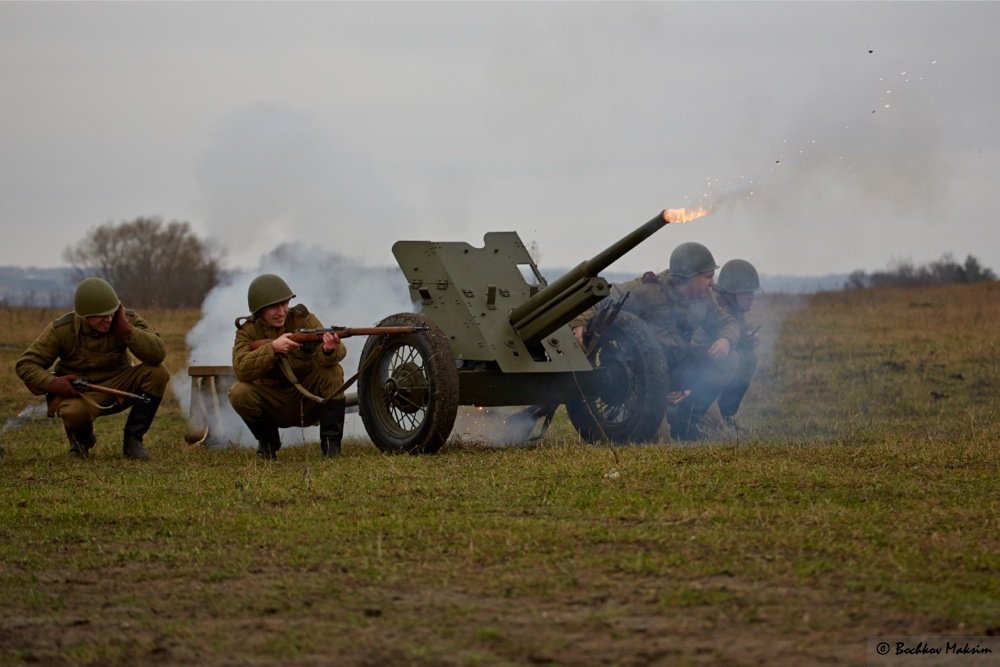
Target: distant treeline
[(906, 274), (38, 287)]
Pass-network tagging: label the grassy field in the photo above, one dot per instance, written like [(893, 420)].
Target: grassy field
[(862, 502)]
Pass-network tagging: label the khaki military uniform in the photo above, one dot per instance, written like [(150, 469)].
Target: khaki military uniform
[(675, 319), (263, 396), (107, 359), (745, 365)]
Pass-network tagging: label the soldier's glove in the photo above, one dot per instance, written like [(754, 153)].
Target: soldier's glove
[(120, 323), (62, 387)]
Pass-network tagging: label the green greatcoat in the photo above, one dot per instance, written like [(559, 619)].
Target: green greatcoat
[(262, 393), (673, 317), (677, 322)]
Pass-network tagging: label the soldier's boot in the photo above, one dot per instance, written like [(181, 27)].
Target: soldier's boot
[(679, 421), (140, 418), (267, 449), (687, 417), (81, 442), (331, 427), (268, 440), (730, 400), (684, 422)]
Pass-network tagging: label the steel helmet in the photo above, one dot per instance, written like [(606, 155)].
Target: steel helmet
[(690, 259), (738, 275), (267, 290), (95, 297)]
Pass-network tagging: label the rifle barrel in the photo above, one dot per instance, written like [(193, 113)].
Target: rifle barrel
[(111, 391), (316, 335)]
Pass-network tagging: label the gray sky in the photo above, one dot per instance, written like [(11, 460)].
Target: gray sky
[(827, 137)]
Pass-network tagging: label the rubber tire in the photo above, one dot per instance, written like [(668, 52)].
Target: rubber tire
[(436, 409), (630, 344)]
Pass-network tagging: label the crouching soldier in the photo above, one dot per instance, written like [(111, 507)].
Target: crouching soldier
[(738, 280), (282, 383), (676, 304), (95, 344)]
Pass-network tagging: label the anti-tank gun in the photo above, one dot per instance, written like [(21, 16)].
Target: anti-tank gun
[(497, 335)]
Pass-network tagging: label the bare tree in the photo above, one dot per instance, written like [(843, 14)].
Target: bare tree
[(149, 263), (976, 272)]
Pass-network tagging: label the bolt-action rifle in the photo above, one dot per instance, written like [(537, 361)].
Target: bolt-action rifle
[(118, 393), (84, 385), (316, 335)]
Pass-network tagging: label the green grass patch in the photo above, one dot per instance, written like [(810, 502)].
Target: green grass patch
[(862, 501)]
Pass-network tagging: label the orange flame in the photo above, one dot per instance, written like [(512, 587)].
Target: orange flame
[(684, 214)]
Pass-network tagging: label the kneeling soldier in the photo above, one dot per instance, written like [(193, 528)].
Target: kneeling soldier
[(92, 344), (282, 383), (676, 304), (738, 280)]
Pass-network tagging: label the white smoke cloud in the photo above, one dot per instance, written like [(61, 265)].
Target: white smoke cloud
[(272, 174)]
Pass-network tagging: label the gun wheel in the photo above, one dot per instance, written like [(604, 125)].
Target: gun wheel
[(630, 402), (408, 388)]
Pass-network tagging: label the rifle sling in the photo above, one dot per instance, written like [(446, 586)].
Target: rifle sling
[(290, 376)]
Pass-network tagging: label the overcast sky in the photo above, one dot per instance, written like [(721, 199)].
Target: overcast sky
[(826, 137)]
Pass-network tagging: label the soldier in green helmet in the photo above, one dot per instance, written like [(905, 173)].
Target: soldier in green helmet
[(98, 342), (283, 383), (738, 281), (677, 303)]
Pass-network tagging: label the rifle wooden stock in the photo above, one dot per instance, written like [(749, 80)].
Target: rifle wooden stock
[(316, 335)]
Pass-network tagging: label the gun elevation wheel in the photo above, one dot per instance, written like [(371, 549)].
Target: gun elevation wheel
[(408, 388), (630, 402)]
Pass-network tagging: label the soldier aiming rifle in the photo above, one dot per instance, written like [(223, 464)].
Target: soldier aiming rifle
[(288, 370)]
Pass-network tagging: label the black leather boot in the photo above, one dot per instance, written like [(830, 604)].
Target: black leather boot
[(331, 426), (81, 442), (268, 440), (684, 422), (140, 418)]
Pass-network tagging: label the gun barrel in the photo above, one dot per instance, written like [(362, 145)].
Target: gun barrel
[(578, 289), (616, 251)]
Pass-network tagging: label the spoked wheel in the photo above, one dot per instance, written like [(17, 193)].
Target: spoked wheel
[(408, 388), (629, 404)]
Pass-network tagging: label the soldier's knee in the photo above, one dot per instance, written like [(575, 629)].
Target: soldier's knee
[(155, 381), (74, 413), (328, 380), (243, 398)]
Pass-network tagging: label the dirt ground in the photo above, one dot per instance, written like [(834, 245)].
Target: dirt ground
[(274, 615)]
